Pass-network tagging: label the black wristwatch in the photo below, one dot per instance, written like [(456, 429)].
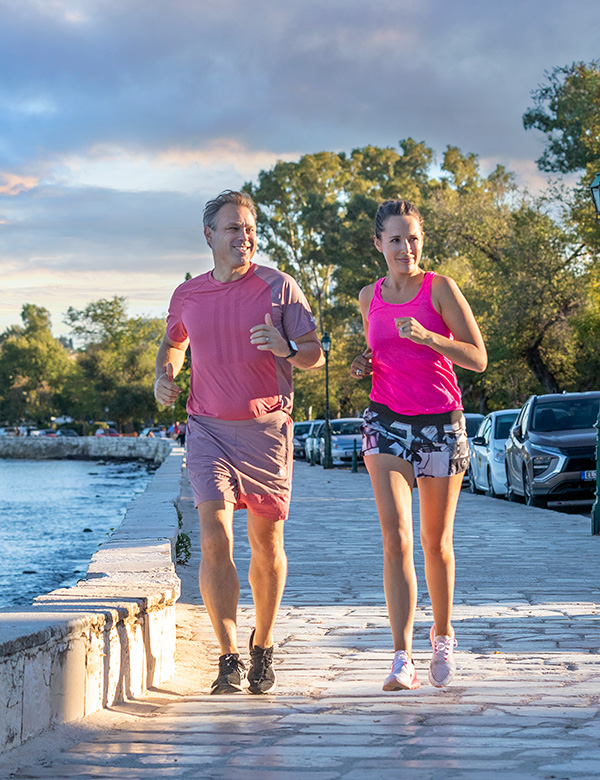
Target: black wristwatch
[(293, 348)]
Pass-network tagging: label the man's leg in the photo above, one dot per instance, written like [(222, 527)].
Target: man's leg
[(267, 575), (219, 584)]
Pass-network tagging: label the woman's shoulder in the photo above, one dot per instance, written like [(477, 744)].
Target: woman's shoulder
[(367, 292)]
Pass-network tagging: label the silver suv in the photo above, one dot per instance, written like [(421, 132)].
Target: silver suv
[(551, 449)]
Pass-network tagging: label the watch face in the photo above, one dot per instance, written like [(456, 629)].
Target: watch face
[(293, 348)]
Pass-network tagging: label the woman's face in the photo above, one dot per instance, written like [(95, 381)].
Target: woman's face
[(401, 244)]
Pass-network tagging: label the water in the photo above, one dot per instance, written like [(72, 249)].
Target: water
[(53, 516)]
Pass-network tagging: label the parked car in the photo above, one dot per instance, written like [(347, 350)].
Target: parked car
[(9, 431), (551, 449), (486, 472), (66, 432), (301, 430), (49, 432), (311, 443), (345, 433), (472, 420), (157, 431)]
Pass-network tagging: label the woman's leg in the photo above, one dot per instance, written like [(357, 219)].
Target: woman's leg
[(438, 498), (392, 480)]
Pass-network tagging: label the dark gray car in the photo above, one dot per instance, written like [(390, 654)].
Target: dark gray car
[(551, 449)]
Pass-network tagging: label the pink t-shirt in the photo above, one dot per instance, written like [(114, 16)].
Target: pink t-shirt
[(231, 379), (410, 378)]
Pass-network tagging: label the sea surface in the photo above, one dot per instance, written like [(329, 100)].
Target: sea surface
[(53, 516)]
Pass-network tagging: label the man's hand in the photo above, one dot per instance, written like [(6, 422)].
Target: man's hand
[(166, 391), (266, 337), (362, 365)]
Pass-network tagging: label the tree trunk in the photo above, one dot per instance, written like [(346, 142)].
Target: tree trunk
[(542, 373)]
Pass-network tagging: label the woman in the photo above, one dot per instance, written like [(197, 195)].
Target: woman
[(417, 325)]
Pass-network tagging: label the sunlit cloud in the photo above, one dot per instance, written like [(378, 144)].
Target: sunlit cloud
[(13, 184)]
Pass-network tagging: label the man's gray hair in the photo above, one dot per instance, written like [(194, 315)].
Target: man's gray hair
[(213, 207)]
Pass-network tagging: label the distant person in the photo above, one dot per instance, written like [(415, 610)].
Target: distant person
[(247, 325), (417, 324)]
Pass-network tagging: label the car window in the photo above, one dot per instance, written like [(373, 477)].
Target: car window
[(300, 428), (503, 425), (346, 427), (567, 414), (484, 429), (473, 424)]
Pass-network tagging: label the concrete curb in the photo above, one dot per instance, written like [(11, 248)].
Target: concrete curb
[(105, 640), (84, 448)]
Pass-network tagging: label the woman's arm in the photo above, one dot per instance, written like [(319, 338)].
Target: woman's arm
[(362, 365)]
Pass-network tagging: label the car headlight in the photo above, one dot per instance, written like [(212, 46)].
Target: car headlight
[(499, 456), (546, 461), (540, 464)]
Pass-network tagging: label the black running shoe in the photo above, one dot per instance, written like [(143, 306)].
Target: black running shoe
[(231, 674), (261, 676)]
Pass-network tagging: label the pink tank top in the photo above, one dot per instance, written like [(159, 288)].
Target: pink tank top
[(410, 378)]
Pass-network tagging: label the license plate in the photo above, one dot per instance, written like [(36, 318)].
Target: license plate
[(588, 475)]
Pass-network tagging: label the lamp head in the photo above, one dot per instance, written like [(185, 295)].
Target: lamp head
[(326, 343)]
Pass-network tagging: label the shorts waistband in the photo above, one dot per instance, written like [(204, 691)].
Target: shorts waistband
[(420, 420), (262, 420)]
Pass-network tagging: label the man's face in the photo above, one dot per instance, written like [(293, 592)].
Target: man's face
[(233, 240)]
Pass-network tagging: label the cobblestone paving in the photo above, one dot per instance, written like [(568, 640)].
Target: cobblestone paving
[(524, 703)]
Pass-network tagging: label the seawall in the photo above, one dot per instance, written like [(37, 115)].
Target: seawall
[(110, 637), (84, 448)]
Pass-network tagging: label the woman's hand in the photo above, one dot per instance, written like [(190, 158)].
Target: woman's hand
[(362, 365), (410, 328)]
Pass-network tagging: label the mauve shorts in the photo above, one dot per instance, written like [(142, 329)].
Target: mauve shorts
[(246, 462)]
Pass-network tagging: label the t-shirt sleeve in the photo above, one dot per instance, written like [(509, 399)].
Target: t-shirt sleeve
[(176, 330), (297, 317)]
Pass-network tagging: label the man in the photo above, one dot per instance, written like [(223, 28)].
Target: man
[(246, 326)]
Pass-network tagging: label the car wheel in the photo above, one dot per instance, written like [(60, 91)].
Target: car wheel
[(472, 486), (530, 498), (490, 491)]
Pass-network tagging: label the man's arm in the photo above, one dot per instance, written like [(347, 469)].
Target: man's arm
[(169, 361), (267, 338)]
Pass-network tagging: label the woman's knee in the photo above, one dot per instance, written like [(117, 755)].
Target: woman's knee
[(437, 547)]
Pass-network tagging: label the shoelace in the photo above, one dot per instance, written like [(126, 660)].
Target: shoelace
[(265, 660), (442, 645), (229, 663)]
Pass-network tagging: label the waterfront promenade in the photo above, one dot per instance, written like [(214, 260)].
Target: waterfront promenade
[(525, 702)]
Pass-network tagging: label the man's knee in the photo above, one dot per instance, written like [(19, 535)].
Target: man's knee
[(216, 531)]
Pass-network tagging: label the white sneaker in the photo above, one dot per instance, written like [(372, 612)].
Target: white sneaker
[(403, 675), (442, 666)]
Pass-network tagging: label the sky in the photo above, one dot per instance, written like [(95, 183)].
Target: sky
[(120, 118)]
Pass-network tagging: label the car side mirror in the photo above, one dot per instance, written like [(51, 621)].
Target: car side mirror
[(479, 441)]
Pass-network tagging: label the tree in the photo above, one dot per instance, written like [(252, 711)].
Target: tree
[(35, 369), (117, 360), (519, 271), (567, 109)]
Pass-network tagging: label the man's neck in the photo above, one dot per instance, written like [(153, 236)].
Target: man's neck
[(225, 274)]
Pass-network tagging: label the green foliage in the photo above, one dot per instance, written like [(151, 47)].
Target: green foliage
[(567, 109), (35, 369)]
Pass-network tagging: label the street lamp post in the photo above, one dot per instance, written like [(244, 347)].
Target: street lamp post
[(595, 188), (327, 459)]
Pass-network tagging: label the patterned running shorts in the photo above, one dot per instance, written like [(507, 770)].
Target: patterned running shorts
[(435, 444)]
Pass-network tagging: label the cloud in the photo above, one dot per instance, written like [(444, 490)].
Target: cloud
[(119, 119)]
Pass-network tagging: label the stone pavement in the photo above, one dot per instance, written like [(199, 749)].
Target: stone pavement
[(524, 703)]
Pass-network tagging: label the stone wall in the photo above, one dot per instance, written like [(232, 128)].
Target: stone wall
[(110, 637), (85, 448)]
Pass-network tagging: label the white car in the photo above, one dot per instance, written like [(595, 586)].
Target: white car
[(487, 473), (346, 434), (311, 442)]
